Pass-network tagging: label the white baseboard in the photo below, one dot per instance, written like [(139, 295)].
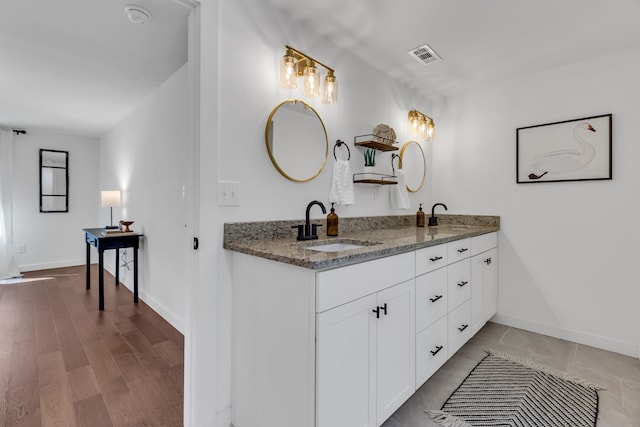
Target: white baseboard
[(603, 343), (49, 265)]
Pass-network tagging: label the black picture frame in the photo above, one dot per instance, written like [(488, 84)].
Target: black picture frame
[(570, 150)]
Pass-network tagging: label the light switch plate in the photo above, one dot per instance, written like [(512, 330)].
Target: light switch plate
[(228, 193)]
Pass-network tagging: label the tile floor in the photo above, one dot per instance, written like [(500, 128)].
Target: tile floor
[(620, 375)]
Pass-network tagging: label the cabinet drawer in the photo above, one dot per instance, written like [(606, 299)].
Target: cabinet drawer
[(431, 350), (344, 284), (483, 243), (428, 259), (459, 326), (431, 297), (458, 283), (460, 249)]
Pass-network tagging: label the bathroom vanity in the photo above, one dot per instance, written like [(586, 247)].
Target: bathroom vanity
[(344, 338)]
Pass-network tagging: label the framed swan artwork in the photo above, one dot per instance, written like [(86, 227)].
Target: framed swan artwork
[(572, 150)]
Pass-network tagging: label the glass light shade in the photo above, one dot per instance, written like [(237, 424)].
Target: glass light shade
[(311, 81), (330, 89), (110, 199), (288, 72), (431, 131), (414, 124)]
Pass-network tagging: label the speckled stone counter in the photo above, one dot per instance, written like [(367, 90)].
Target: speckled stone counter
[(380, 237)]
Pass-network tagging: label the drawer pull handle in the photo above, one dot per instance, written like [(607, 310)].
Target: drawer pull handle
[(463, 327), (488, 260), (463, 250), (461, 284), (436, 298), (436, 258), (378, 308), (437, 350)]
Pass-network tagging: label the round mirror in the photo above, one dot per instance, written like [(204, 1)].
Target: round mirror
[(297, 140), (413, 164)]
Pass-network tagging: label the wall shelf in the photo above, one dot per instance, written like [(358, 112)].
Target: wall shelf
[(374, 178), (370, 141)]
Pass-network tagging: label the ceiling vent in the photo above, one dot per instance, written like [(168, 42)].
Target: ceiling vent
[(137, 14), (424, 55)]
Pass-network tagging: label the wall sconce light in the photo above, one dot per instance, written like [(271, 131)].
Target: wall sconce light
[(110, 199), (421, 125), (296, 64)]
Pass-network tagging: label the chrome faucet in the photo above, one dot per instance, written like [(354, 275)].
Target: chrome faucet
[(433, 221), (309, 231)]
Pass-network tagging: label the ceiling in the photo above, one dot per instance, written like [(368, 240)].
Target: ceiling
[(480, 42), (80, 66)]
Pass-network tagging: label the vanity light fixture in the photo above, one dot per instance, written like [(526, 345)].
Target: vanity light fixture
[(296, 64), (421, 125)]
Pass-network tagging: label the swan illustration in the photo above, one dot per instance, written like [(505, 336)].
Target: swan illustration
[(560, 161)]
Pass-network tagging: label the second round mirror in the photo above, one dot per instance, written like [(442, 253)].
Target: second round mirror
[(414, 165)]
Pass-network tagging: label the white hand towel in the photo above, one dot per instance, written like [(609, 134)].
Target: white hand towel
[(399, 197), (341, 191)]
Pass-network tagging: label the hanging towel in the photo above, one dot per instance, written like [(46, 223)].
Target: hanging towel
[(341, 191), (399, 197)]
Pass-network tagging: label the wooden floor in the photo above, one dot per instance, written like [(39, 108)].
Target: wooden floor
[(65, 363)]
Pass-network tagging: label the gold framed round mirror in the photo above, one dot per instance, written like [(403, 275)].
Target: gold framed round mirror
[(296, 140), (414, 165)]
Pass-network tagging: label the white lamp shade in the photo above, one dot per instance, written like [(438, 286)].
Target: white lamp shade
[(110, 199)]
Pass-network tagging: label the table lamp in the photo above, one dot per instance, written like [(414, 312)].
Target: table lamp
[(110, 199)]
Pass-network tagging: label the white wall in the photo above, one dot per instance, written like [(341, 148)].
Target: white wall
[(252, 39), (54, 239), (145, 156), (567, 250)]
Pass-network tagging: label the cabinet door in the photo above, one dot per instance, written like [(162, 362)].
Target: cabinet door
[(396, 348), (345, 365), (484, 290)]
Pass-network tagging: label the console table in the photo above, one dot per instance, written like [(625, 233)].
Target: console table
[(102, 241)]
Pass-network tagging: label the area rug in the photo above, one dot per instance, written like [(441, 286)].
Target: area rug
[(503, 390)]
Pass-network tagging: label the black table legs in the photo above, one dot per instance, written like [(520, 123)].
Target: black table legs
[(101, 280), (135, 275), (117, 266), (88, 266)]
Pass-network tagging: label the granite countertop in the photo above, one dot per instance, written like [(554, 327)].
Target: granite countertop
[(379, 236)]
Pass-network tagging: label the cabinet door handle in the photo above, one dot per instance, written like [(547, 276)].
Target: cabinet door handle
[(436, 298), (463, 327), (437, 350), (488, 260), (377, 312), (436, 258), (384, 308), (463, 250), (461, 284)]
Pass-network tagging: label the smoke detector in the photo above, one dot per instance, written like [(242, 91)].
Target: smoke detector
[(137, 14), (424, 54)]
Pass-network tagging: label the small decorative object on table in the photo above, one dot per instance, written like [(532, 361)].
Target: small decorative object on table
[(126, 226), (385, 134)]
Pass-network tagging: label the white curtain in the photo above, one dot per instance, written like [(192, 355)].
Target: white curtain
[(8, 267)]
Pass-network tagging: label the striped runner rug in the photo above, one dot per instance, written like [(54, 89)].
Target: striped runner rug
[(506, 391)]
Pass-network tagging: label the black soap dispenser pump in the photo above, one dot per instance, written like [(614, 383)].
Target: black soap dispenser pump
[(332, 222), (420, 217)]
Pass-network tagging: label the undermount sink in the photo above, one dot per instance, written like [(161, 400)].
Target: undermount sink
[(335, 247)]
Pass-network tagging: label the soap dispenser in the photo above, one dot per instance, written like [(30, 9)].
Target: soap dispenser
[(420, 217), (332, 222)]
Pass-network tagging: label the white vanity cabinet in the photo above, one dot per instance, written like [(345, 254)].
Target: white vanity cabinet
[(346, 347), (484, 276), (326, 349)]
